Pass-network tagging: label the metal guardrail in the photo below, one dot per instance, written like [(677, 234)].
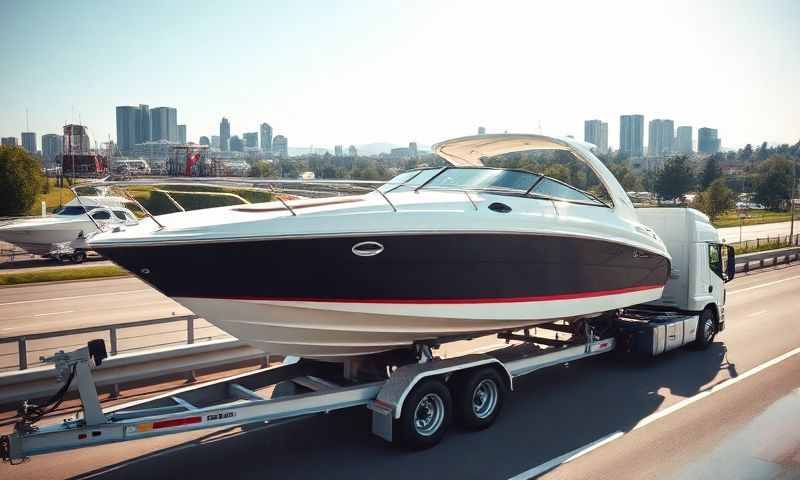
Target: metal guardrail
[(112, 330), (769, 258)]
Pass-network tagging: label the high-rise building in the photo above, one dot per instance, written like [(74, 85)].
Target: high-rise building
[(659, 137), (683, 140), (596, 132), (707, 140), (412, 150), (52, 146), (144, 132), (182, 134), (266, 137), (224, 134), (164, 123), (29, 142), (250, 139), (280, 146), (481, 131), (9, 141), (337, 150), (205, 141), (351, 151), (236, 144), (127, 128), (631, 135), (215, 141)]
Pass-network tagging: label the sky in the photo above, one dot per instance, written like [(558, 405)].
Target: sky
[(353, 72)]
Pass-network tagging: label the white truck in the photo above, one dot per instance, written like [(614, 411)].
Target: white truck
[(412, 403)]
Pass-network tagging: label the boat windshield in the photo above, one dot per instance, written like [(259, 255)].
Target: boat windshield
[(498, 180), (71, 210)]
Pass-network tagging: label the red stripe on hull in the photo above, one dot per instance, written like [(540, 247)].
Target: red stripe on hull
[(541, 298)]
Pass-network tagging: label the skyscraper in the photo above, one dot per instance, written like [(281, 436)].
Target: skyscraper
[(631, 135), (224, 134), (683, 140), (280, 146), (182, 134), (659, 137), (481, 131), (707, 140), (205, 141), (164, 124), (596, 132), (144, 132), (9, 141), (215, 141), (29, 142), (52, 146), (351, 151), (337, 150), (412, 150), (127, 128), (236, 144), (250, 139), (266, 137)]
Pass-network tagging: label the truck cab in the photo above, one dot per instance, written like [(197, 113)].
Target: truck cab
[(701, 265)]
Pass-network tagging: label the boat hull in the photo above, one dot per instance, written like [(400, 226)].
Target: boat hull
[(323, 297)]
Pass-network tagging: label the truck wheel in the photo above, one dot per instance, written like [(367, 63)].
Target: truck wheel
[(78, 256), (426, 415), (479, 397), (706, 330)]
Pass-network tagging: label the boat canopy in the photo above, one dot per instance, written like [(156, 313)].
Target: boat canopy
[(470, 152)]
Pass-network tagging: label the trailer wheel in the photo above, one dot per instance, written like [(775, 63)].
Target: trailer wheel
[(706, 329), (426, 415), (78, 256), (479, 398)]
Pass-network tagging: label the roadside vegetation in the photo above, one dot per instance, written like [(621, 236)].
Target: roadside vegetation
[(61, 274), (20, 181)]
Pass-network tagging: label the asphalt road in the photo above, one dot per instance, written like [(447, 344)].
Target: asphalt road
[(552, 412), (48, 307)]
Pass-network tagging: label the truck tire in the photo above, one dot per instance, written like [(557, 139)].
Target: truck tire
[(706, 329), (479, 398), (426, 415), (78, 256)]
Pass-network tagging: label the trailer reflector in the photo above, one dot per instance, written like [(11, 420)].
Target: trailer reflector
[(146, 427)]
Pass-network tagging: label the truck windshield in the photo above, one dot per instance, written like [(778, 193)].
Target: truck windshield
[(715, 259)]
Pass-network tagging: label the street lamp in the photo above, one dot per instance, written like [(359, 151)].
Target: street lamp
[(791, 200)]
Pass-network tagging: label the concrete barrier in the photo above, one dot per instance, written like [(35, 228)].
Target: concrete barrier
[(770, 258)]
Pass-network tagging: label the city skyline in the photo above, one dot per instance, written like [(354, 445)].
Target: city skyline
[(743, 83)]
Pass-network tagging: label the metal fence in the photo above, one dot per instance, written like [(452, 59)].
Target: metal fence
[(768, 243), (23, 351)]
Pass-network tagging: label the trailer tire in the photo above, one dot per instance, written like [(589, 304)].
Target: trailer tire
[(426, 415), (479, 398), (706, 329)]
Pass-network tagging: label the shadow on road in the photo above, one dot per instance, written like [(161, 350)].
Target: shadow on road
[(550, 413)]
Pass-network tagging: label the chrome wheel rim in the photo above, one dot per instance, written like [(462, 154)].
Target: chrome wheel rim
[(484, 398), (708, 329), (429, 415)]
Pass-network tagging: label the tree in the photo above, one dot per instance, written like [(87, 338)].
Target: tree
[(675, 179), (773, 185), (711, 172), (763, 152), (261, 168), (629, 180), (20, 180), (715, 200), (559, 172)]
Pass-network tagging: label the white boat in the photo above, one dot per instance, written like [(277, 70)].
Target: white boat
[(41, 235), (435, 253)]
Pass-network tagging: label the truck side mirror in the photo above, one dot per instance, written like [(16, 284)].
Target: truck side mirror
[(730, 270)]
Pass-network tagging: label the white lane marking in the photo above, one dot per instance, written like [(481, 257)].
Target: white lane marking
[(758, 313), (52, 313), (581, 451), (76, 296), (768, 284)]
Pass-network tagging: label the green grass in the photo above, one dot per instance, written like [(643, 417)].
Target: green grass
[(753, 217), (58, 274), (54, 199)]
